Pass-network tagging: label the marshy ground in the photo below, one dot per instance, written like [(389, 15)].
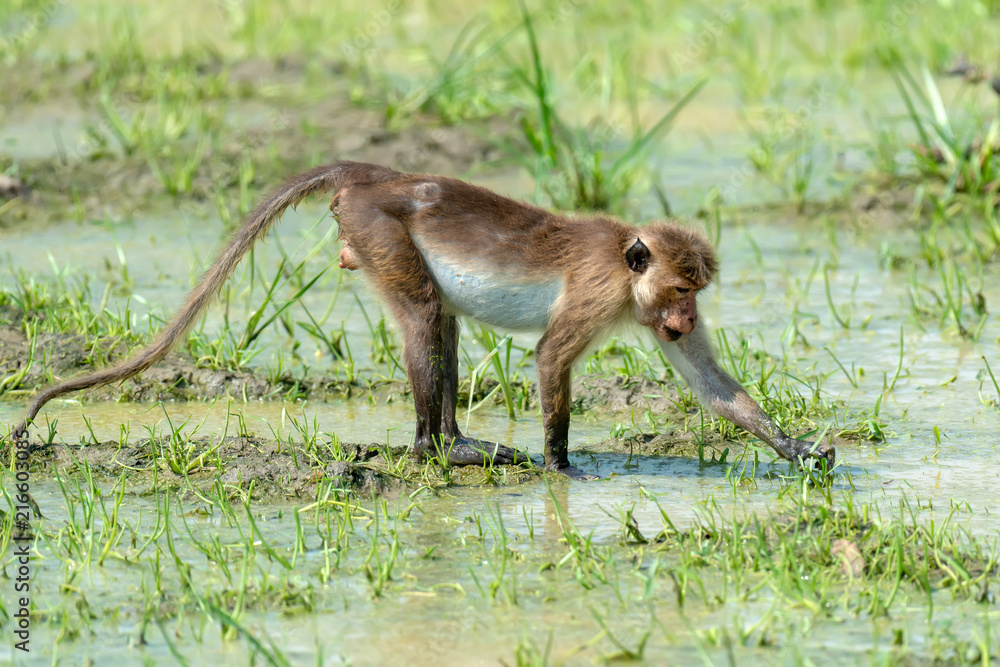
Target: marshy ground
[(250, 500)]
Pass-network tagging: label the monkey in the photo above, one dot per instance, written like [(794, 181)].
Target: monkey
[(435, 248)]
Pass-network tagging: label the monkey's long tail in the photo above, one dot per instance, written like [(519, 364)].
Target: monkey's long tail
[(329, 178)]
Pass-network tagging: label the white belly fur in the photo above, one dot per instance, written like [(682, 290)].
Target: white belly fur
[(496, 298)]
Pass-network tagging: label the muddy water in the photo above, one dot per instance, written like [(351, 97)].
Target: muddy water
[(439, 609), (48, 132), (435, 610), (938, 387)]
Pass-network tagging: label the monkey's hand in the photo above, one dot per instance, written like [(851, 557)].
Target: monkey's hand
[(20, 434), (800, 450), (465, 451)]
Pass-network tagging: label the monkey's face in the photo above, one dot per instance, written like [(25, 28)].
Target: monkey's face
[(665, 300)]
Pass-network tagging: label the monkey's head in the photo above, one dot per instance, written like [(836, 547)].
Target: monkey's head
[(669, 265)]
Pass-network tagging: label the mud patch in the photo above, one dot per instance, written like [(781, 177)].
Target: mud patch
[(624, 394), (879, 205), (257, 468), (177, 377), (62, 356), (97, 177)]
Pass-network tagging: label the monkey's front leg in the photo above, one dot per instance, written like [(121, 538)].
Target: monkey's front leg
[(692, 356), (556, 352)]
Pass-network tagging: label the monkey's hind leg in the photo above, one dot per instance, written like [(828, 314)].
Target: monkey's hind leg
[(463, 450), (380, 245)]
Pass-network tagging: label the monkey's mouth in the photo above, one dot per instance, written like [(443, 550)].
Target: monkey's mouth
[(671, 334)]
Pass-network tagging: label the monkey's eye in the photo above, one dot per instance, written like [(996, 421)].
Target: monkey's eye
[(682, 290)]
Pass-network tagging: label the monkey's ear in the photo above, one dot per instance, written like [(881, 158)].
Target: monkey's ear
[(637, 257)]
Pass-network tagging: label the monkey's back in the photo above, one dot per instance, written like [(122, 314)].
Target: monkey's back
[(500, 261)]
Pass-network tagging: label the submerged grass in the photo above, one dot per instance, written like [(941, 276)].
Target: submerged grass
[(203, 567), (752, 585), (498, 370)]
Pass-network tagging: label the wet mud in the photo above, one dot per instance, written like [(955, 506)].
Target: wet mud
[(258, 468), (178, 377), (273, 470), (85, 178)]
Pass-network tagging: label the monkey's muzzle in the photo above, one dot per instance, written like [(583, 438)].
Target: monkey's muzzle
[(346, 259)]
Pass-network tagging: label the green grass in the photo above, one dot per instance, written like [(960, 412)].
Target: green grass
[(946, 150), (197, 111), (750, 583)]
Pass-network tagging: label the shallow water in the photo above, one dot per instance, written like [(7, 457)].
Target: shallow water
[(434, 610), (938, 387), (437, 609), (430, 617)]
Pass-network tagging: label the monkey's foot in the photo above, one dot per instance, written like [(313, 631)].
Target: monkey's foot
[(573, 472), (800, 450), (465, 451)]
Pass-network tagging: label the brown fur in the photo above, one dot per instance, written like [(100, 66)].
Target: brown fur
[(608, 272), (321, 179)]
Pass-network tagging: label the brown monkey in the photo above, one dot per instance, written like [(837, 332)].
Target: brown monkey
[(435, 248)]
